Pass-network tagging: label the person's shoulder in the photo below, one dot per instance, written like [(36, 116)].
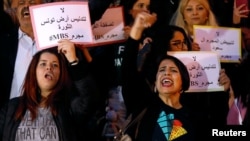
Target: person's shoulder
[(11, 104), (14, 102)]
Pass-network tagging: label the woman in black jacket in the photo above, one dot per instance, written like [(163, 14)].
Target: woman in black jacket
[(165, 117), (55, 99)]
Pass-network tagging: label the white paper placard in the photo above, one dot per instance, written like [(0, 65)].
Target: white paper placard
[(203, 68), (224, 40), (109, 28), (61, 20)]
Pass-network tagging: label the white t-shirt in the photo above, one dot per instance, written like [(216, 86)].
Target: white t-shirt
[(43, 128)]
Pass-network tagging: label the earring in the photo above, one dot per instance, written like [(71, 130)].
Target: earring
[(155, 90)]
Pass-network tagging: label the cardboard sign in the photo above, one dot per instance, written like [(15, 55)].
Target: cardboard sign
[(225, 41), (61, 20), (109, 29), (203, 68)]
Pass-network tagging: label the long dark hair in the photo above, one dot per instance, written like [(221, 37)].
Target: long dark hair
[(31, 96)]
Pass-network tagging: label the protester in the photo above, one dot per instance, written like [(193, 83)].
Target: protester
[(239, 110), (112, 111), (56, 89), (165, 114), (193, 12), (209, 108), (18, 47), (170, 80)]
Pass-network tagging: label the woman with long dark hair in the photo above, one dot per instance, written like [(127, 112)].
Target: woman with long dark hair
[(55, 99)]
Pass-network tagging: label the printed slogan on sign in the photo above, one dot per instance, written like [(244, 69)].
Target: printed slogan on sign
[(225, 41), (61, 20), (71, 20), (109, 29), (203, 68)]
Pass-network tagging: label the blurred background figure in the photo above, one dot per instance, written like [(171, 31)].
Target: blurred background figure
[(193, 12), (239, 113)]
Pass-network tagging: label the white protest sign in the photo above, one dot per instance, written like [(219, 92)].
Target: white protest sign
[(203, 68), (61, 20), (225, 41), (109, 28)]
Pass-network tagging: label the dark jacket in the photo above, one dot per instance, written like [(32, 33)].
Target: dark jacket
[(72, 117), (135, 90), (206, 110), (8, 53), (138, 96)]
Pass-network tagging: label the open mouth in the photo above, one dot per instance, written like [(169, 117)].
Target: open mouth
[(25, 12), (166, 82), (48, 76)]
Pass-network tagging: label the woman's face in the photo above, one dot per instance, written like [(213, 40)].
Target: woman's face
[(168, 78), (195, 13), (47, 72), (140, 6), (178, 42)]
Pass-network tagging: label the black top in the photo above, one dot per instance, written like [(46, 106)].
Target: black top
[(150, 126)]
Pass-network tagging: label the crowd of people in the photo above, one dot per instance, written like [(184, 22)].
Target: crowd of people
[(91, 93)]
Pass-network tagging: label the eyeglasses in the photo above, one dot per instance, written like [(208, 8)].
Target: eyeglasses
[(179, 44)]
